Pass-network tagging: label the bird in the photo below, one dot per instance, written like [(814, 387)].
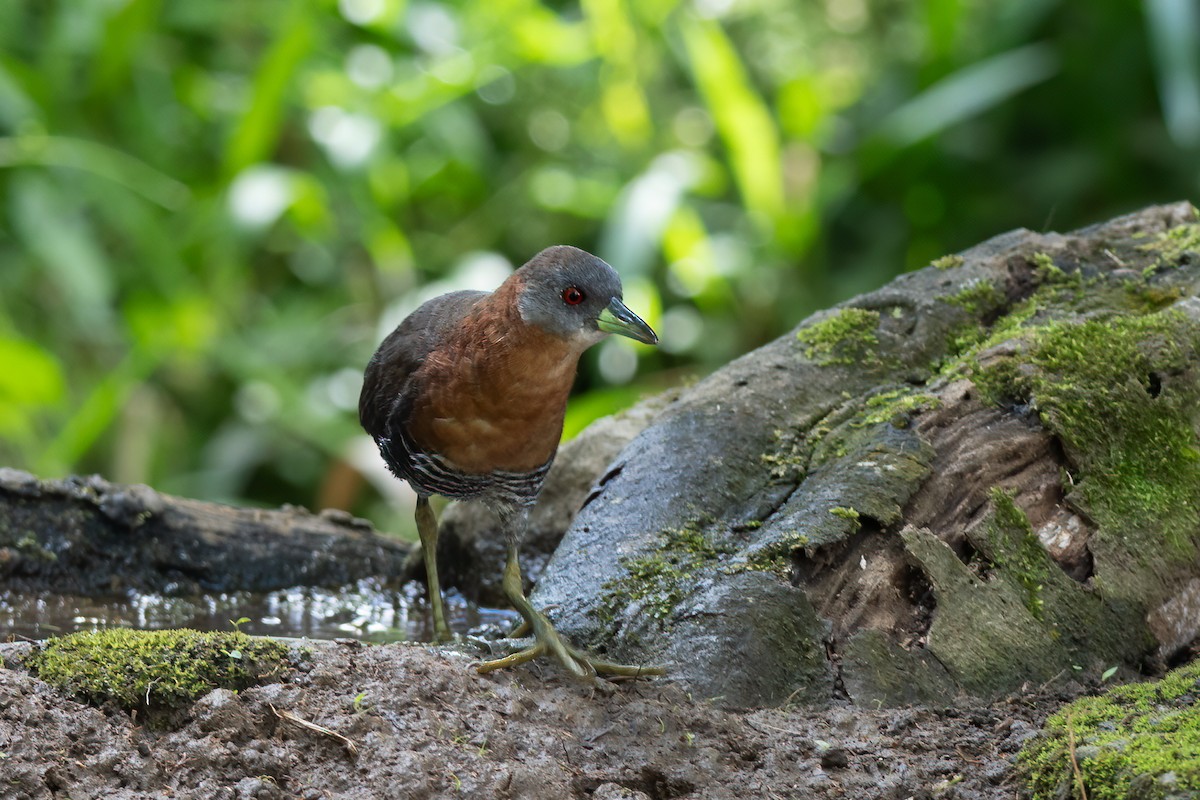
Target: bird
[(466, 399)]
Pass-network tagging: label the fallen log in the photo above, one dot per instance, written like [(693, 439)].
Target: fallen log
[(86, 536)]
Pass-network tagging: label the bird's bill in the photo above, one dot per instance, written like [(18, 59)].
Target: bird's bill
[(618, 319)]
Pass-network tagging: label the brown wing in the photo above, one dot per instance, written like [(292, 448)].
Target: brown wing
[(386, 392)]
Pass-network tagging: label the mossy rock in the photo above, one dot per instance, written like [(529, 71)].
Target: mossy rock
[(1120, 394), (1139, 741), (987, 471), (157, 671)]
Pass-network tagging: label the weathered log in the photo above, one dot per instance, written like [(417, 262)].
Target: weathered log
[(86, 536)]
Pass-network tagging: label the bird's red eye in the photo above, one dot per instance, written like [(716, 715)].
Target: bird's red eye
[(572, 296)]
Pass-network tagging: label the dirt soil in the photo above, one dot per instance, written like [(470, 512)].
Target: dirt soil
[(418, 723)]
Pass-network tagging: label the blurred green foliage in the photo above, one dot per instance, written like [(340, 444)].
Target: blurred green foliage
[(211, 212)]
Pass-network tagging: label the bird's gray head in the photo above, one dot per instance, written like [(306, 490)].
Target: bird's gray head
[(572, 294)]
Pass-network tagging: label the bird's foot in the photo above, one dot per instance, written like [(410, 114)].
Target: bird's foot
[(441, 637), (575, 661), (580, 664)]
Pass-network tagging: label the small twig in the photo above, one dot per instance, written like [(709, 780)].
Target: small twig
[(1074, 761), (566, 753), (958, 749), (792, 696), (594, 736), (1046, 685), (351, 747)]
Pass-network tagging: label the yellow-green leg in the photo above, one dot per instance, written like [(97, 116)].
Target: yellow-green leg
[(427, 529), (547, 640)]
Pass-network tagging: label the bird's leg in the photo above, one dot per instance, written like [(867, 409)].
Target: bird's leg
[(546, 638), (427, 529)]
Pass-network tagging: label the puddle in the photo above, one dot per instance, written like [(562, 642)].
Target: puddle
[(368, 611)]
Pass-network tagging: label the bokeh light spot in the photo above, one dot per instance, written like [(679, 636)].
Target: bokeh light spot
[(495, 85), (682, 327), (549, 130), (618, 360), (361, 12), (369, 66), (259, 195), (347, 139), (553, 187)]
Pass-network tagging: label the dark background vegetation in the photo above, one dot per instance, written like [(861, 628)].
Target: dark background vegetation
[(211, 212)]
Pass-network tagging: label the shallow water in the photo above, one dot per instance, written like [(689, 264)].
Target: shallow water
[(367, 611)]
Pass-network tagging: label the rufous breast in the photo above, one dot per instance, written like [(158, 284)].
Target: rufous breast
[(493, 396)]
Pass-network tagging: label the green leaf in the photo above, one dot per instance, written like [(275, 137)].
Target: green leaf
[(1174, 30), (969, 92), (52, 227), (124, 38), (259, 128), (98, 159), (30, 382), (741, 116), (95, 414)]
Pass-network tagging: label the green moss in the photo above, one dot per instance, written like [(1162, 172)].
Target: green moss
[(1145, 298), (845, 513), (1020, 315), (154, 669), (30, 547), (1016, 550), (1173, 244), (846, 337), (1045, 267), (792, 454), (894, 406), (846, 427), (978, 298), (965, 341), (947, 262), (1138, 740), (662, 579), (1097, 385), (776, 556)]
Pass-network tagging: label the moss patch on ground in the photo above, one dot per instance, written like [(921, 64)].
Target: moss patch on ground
[(152, 670), (1112, 391), (847, 337), (1134, 741)]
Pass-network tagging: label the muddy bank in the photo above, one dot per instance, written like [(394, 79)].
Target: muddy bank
[(423, 725)]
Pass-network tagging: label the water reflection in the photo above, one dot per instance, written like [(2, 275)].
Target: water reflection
[(368, 610)]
